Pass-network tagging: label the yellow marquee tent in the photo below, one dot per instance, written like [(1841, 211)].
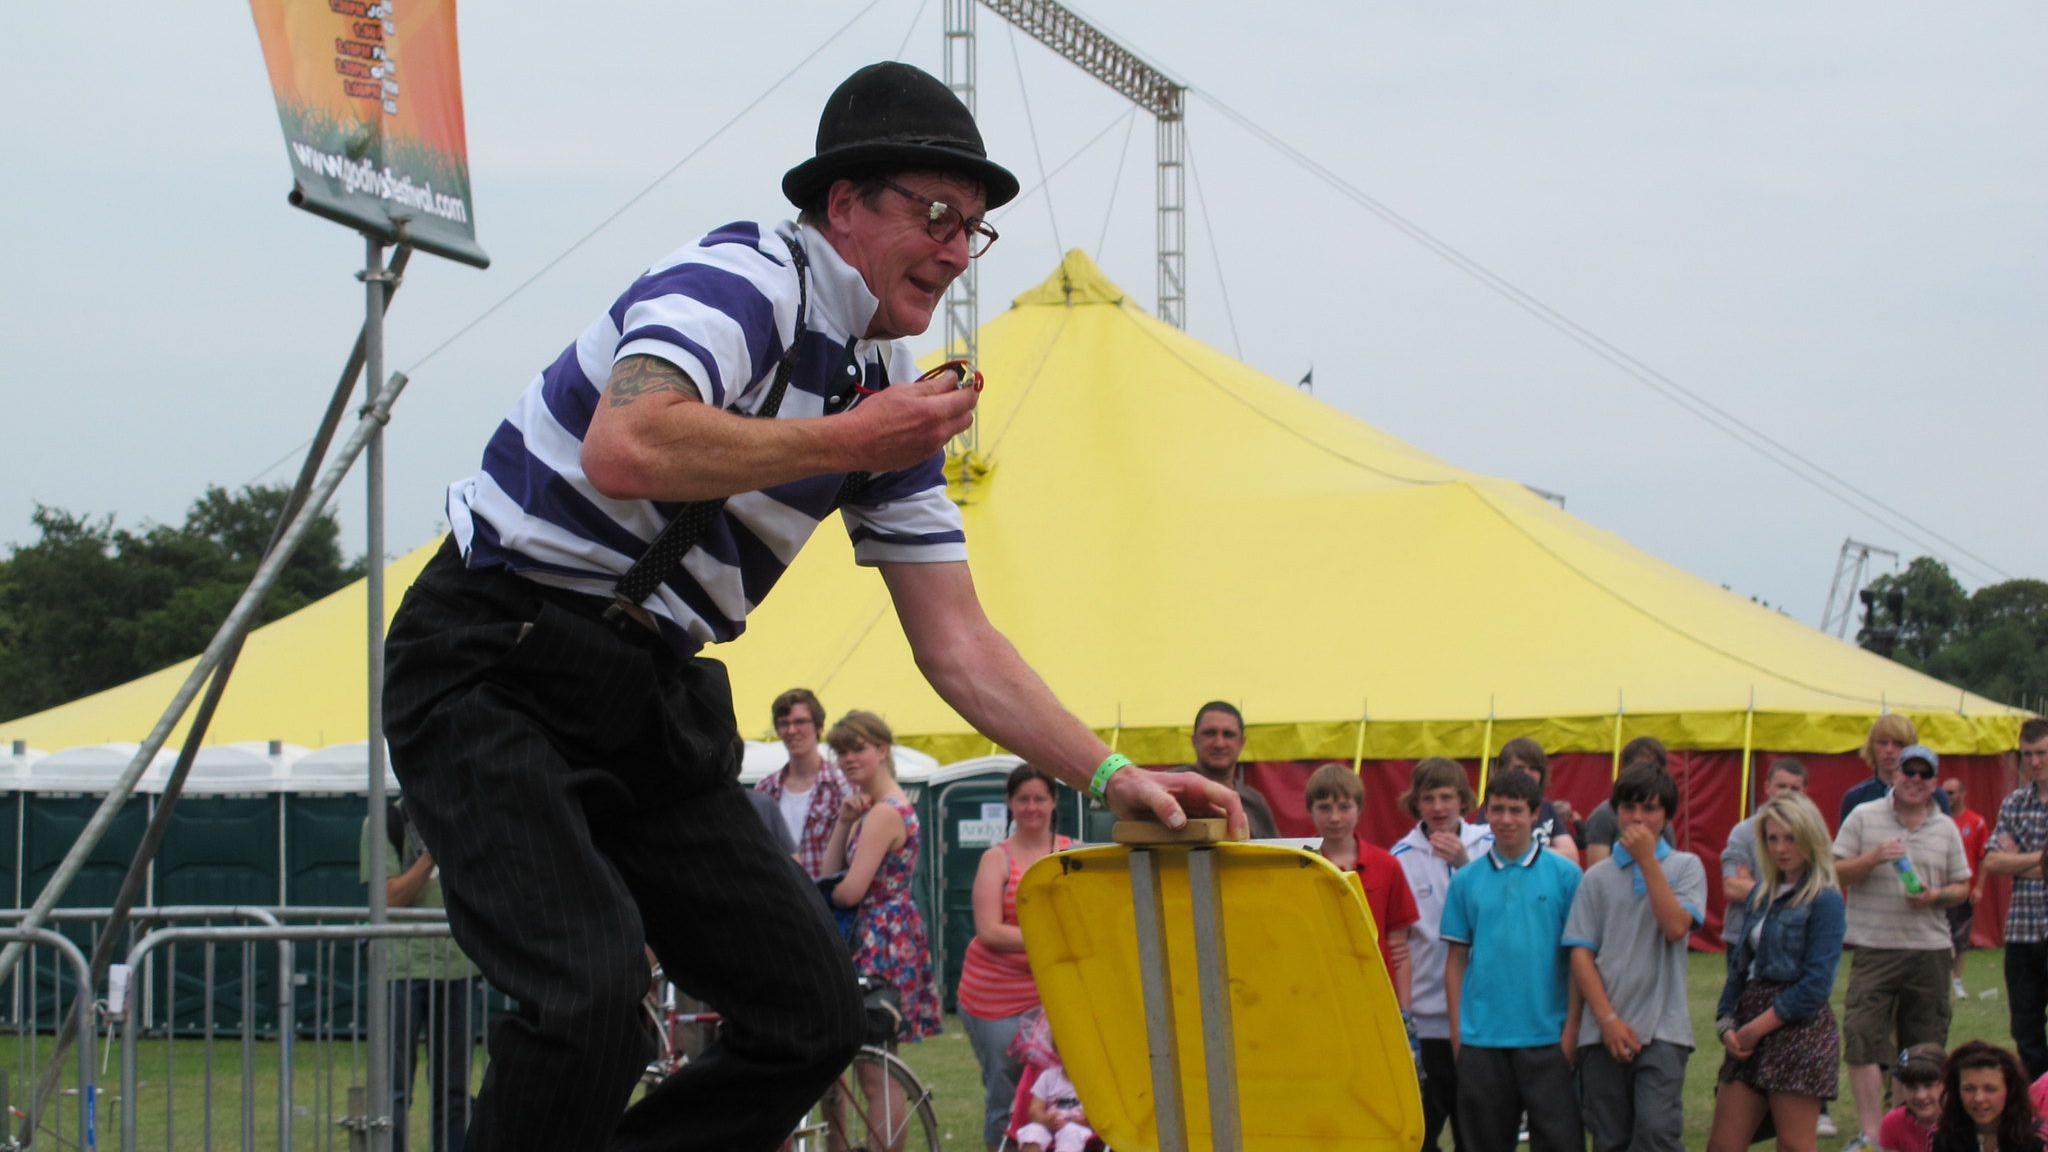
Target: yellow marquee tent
[(1155, 524)]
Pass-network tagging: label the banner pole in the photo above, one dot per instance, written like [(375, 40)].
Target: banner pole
[(376, 277), (1620, 707), (1358, 749)]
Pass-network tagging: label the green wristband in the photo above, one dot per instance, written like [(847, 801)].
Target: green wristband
[(1098, 786)]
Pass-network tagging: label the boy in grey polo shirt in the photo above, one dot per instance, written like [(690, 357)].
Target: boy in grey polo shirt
[(1627, 932)]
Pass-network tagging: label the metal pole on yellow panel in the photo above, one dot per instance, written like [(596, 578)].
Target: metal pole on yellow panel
[(1620, 708), (1748, 745), (1358, 749), (1486, 748)]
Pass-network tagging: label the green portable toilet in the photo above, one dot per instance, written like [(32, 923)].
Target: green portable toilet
[(60, 795), (327, 797), (14, 769), (224, 845), (970, 814)]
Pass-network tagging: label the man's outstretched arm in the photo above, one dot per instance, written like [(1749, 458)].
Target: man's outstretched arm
[(977, 671)]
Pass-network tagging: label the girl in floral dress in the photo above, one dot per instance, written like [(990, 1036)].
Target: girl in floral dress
[(876, 842)]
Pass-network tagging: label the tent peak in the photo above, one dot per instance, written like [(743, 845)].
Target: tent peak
[(1078, 280)]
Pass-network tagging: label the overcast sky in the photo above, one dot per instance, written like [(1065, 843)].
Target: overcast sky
[(1828, 219)]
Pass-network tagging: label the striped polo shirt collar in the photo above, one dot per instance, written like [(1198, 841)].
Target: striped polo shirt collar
[(841, 305), (1529, 859)]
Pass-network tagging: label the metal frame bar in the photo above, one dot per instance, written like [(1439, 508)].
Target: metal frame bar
[(82, 972), (1155, 978)]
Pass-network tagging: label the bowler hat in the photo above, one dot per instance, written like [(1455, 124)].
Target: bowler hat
[(891, 117)]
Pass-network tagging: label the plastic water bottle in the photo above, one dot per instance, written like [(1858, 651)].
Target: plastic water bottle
[(1909, 875)]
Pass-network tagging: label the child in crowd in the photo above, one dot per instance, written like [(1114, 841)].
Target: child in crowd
[(1916, 1084), (1057, 1123), (1334, 797), (1441, 842), (1984, 1106), (1505, 982), (1524, 755), (1627, 934)]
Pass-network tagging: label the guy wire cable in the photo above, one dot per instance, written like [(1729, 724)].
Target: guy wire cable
[(1215, 250), (1031, 123), (1122, 159), (1699, 406)]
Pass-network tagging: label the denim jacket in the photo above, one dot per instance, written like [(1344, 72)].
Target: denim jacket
[(1801, 946)]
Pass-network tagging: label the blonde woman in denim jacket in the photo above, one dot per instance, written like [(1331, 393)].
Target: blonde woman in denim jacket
[(1774, 1020)]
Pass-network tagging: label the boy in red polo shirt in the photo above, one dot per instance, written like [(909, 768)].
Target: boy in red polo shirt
[(1334, 797)]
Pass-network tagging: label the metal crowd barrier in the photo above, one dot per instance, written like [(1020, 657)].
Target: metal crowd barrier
[(212, 1056), (18, 1080)]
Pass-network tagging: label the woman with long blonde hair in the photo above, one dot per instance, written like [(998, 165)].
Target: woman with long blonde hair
[(1774, 1020)]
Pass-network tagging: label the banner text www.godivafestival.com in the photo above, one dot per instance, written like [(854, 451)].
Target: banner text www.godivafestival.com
[(363, 176)]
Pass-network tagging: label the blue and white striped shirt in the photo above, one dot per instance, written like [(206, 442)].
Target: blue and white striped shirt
[(719, 310)]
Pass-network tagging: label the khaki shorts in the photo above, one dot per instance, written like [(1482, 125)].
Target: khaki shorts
[(1897, 998)]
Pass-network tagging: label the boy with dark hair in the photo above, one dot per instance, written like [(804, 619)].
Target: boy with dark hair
[(1334, 798), (1506, 983), (1602, 829), (1627, 933)]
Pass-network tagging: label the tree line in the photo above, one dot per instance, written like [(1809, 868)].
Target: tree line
[(1993, 641), (90, 604)]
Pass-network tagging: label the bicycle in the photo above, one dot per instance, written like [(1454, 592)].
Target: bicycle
[(876, 1105)]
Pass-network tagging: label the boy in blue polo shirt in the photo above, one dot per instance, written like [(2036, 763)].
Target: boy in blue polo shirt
[(1627, 934), (1505, 978)]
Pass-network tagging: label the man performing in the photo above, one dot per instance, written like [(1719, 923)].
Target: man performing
[(570, 756)]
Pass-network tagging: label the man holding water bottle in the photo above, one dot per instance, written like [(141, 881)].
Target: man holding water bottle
[(1901, 862)]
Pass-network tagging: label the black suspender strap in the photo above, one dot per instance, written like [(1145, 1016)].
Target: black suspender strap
[(690, 523)]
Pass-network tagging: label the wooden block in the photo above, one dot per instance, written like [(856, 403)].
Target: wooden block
[(1200, 830)]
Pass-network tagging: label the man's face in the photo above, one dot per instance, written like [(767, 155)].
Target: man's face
[(2034, 759), (1219, 740), (1785, 784), (798, 731), (1647, 813), (1336, 817), (1442, 809), (1914, 785), (1884, 753), (1954, 788), (1511, 821), (889, 244)]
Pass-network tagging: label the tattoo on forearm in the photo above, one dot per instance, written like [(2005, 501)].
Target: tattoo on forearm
[(637, 376)]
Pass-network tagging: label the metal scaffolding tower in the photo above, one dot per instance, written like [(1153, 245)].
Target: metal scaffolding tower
[(1103, 58), (963, 310), (1851, 566)]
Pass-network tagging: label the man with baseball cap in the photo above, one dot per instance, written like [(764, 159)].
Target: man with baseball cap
[(569, 752), (1901, 864)]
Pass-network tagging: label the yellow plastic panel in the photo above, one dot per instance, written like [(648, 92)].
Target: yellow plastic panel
[(1322, 1059)]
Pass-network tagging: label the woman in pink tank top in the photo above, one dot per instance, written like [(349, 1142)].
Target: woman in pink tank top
[(996, 988)]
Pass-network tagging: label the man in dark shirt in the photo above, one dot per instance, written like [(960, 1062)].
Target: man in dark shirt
[(1219, 741)]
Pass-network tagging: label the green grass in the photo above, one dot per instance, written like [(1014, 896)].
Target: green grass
[(946, 1064)]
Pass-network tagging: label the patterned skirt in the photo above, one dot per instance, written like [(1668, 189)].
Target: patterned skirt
[(1800, 1059)]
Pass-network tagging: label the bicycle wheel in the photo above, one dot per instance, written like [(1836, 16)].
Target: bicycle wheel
[(877, 1105)]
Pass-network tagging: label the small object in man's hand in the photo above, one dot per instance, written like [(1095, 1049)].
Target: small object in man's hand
[(970, 376)]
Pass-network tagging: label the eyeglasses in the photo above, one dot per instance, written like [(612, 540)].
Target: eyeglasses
[(1917, 771), (942, 221)]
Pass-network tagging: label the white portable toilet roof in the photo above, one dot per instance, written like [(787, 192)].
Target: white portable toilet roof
[(763, 757), (243, 767), (16, 763), (977, 766), (341, 768), (94, 768)]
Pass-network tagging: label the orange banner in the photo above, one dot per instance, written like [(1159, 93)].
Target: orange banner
[(370, 98)]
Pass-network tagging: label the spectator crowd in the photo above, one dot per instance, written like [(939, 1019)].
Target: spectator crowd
[(1539, 960)]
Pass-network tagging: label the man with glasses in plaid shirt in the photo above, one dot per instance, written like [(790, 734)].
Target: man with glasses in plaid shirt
[(2016, 851), (571, 755)]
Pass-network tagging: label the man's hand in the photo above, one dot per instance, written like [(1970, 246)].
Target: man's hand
[(905, 423), (1621, 1040), (1928, 898), (1170, 797), (1890, 850), (1450, 848), (1639, 842)]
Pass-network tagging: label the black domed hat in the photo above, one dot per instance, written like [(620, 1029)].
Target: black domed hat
[(893, 117)]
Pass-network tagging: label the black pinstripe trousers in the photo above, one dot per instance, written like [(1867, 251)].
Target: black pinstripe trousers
[(577, 786)]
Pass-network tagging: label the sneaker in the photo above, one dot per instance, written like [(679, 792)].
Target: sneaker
[(1957, 984), (1827, 1126)]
